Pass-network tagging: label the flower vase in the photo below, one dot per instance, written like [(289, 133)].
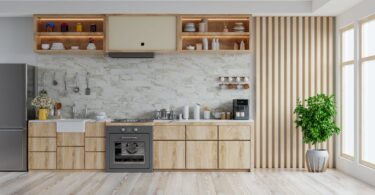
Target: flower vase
[(43, 114)]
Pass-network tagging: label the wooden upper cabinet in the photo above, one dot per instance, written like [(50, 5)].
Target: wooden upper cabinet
[(42, 129), (141, 33)]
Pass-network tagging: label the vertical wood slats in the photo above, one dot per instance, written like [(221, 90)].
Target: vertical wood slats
[(294, 60)]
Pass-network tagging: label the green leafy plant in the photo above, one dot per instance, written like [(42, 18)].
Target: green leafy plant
[(317, 118)]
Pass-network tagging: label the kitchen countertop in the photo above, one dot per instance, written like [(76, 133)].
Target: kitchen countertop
[(166, 122), (55, 120)]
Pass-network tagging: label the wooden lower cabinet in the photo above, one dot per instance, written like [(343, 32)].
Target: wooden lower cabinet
[(201, 155), (42, 160), (169, 155), (201, 132), (234, 154), (94, 144), (95, 160), (70, 158), (42, 144), (70, 139), (169, 132)]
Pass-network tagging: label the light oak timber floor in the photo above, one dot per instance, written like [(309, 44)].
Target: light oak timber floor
[(261, 181)]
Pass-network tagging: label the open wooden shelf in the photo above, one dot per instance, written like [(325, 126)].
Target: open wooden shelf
[(70, 51), (71, 37), (215, 29), (78, 34)]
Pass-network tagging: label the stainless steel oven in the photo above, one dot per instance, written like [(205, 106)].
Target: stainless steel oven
[(129, 149)]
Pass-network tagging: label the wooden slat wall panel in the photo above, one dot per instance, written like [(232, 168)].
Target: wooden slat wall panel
[(294, 60)]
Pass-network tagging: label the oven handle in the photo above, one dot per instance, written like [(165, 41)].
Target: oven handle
[(129, 137)]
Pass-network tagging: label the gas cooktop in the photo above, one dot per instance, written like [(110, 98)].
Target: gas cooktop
[(126, 120)]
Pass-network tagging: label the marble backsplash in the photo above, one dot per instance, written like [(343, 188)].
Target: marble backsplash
[(135, 88)]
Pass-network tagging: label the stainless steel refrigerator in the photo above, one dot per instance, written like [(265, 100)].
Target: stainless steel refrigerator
[(17, 88)]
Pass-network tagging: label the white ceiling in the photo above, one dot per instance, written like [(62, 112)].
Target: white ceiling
[(255, 7)]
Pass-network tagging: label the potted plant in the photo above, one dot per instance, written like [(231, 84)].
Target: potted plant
[(43, 103), (317, 121)]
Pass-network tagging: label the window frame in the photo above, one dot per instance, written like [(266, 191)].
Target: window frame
[(342, 65), (363, 60)]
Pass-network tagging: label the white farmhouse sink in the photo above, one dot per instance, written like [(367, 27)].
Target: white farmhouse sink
[(70, 125)]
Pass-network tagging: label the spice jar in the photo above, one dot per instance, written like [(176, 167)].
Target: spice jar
[(79, 27), (222, 116), (228, 116)]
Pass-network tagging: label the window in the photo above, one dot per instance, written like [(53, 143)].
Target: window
[(367, 151), (348, 93)]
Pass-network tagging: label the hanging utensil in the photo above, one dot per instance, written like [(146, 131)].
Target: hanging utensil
[(65, 85), (54, 81), (43, 91), (76, 88), (87, 90)]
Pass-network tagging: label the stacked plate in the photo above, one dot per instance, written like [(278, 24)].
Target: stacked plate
[(57, 46), (238, 27), (189, 27)]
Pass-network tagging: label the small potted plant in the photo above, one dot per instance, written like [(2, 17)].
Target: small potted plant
[(317, 121), (42, 103)]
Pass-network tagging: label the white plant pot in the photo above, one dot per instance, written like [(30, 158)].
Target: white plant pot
[(317, 160)]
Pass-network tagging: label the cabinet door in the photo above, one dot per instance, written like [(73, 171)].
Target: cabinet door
[(234, 132), (201, 132), (169, 154), (70, 139), (95, 129), (42, 129), (42, 144), (234, 154), (141, 33), (95, 160), (70, 158), (42, 160), (201, 154), (94, 144), (169, 132)]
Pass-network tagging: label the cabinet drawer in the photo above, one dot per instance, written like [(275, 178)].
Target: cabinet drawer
[(95, 129), (94, 144), (169, 132), (201, 132), (169, 155), (42, 144), (42, 129), (234, 132), (70, 139), (201, 154), (95, 160), (234, 154), (42, 160), (70, 158)]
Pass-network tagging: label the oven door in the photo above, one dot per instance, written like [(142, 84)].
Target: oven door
[(129, 151)]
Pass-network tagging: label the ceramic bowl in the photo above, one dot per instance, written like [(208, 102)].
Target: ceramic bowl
[(190, 47), (45, 46)]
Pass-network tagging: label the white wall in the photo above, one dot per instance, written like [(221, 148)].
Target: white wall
[(352, 16), (16, 40)]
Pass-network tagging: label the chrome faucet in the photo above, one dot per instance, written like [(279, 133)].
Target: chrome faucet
[(74, 111), (85, 112)]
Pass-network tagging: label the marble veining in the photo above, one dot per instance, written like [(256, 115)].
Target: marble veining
[(135, 88)]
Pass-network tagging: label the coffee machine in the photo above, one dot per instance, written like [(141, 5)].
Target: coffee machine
[(241, 109)]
